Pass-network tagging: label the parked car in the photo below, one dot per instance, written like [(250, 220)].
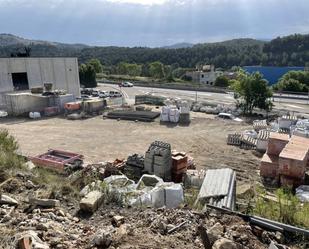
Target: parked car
[(103, 94), (228, 116), (84, 97), (115, 94), (86, 91), (95, 93), (127, 84)]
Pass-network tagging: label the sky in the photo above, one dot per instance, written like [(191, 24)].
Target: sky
[(152, 23)]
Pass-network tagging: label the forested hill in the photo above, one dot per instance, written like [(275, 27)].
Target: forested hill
[(286, 51)]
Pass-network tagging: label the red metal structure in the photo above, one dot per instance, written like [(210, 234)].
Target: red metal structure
[(56, 159)]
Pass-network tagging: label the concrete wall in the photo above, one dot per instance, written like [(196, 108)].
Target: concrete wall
[(62, 72)]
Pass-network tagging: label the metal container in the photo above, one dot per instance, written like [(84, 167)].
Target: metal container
[(94, 105), (23, 103)]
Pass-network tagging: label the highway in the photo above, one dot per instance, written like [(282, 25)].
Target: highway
[(289, 104)]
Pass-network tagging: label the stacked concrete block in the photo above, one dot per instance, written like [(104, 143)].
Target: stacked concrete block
[(158, 160), (285, 122)]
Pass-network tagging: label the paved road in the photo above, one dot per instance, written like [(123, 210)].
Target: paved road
[(297, 105)]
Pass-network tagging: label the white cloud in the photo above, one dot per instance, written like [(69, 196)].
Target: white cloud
[(142, 2)]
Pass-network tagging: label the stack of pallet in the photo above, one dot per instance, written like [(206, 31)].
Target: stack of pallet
[(269, 168), (179, 166), (293, 161), (158, 160), (285, 160)]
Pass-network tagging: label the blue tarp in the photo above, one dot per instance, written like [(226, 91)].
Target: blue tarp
[(272, 74)]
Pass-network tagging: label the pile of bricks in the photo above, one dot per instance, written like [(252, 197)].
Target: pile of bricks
[(179, 166), (158, 160), (286, 159)]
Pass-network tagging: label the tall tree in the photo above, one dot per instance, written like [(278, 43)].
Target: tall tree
[(156, 70), (96, 65), (252, 91), (87, 75)]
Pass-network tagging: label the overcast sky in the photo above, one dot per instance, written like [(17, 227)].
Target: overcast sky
[(152, 22)]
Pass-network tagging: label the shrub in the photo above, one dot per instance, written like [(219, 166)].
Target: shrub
[(8, 152)]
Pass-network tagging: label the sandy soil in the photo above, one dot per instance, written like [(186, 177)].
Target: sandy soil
[(102, 140)]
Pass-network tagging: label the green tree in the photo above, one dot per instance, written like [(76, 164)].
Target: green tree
[(87, 75), (252, 91), (96, 65), (222, 81), (156, 70), (295, 81)]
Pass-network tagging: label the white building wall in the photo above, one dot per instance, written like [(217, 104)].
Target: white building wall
[(62, 72)]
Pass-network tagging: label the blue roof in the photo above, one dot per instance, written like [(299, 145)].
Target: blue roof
[(272, 74)]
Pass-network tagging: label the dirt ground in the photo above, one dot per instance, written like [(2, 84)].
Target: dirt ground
[(102, 140)]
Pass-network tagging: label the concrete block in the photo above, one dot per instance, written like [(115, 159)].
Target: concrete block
[(91, 202)]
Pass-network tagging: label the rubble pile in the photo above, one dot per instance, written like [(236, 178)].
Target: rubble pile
[(51, 223), (211, 108)]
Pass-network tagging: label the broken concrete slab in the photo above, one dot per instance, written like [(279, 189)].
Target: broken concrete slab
[(92, 201), (48, 203), (29, 239), (224, 244), (5, 199), (117, 220)]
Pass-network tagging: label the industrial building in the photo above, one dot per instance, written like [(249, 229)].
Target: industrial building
[(24, 73), (272, 74)]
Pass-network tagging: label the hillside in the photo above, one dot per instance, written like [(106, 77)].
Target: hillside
[(7, 40), (286, 51)]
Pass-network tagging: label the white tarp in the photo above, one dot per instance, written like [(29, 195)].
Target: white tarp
[(302, 192)]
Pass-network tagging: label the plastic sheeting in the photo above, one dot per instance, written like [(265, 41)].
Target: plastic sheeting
[(302, 192)]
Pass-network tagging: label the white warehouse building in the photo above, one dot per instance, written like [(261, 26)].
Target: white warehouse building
[(24, 73)]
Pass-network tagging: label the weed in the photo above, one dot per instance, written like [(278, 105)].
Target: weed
[(286, 208)]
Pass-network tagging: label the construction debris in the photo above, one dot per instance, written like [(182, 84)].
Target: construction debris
[(149, 99), (218, 188), (62, 161), (91, 202), (4, 199), (46, 203), (145, 116)]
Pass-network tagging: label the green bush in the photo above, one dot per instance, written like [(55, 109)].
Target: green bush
[(287, 209), (8, 148)]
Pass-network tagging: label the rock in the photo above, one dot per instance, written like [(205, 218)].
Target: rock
[(61, 213), (30, 239), (75, 219), (117, 220), (30, 184), (170, 226), (49, 203), (103, 237), (4, 199), (42, 227), (215, 232), (91, 202), (224, 244), (30, 165)]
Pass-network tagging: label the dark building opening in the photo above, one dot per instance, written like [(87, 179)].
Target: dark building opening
[(20, 81)]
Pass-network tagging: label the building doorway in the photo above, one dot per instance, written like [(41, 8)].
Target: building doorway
[(20, 81)]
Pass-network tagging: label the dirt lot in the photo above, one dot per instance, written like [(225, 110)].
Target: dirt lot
[(102, 140)]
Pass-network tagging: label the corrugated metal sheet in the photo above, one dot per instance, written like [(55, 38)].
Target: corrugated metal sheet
[(219, 188)]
